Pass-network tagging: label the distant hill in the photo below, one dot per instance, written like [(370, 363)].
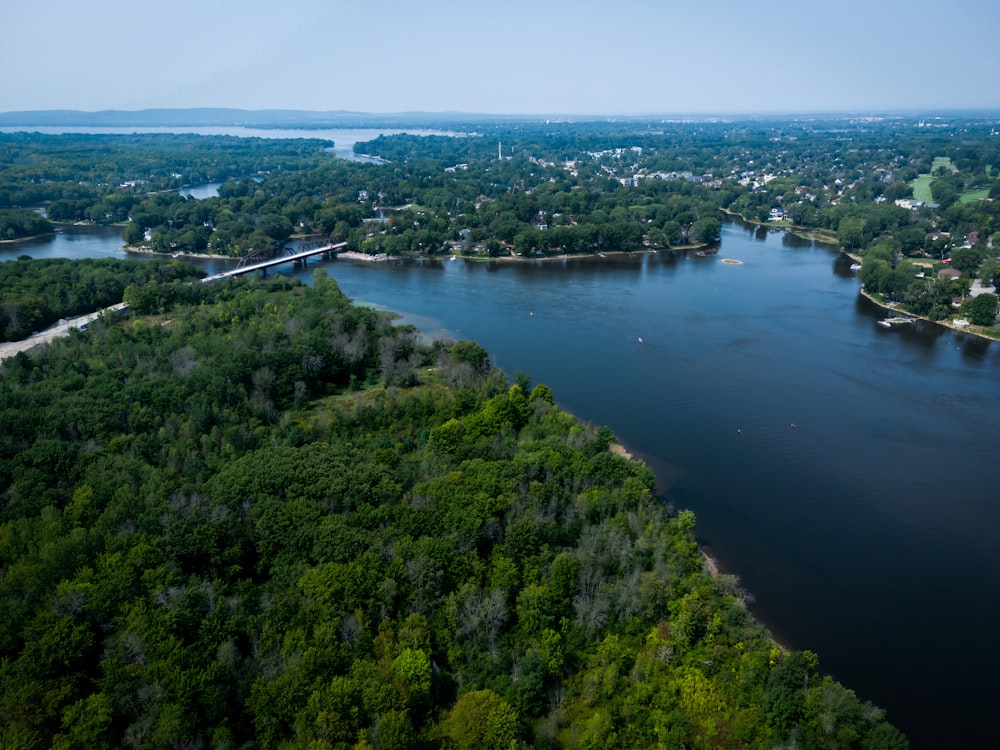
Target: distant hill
[(262, 118)]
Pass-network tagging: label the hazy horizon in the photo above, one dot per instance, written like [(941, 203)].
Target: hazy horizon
[(706, 115), (585, 58)]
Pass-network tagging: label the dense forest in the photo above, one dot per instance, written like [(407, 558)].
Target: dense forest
[(34, 294), (257, 516)]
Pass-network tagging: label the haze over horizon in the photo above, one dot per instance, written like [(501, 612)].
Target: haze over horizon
[(522, 58)]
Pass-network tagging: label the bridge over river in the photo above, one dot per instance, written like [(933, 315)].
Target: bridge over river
[(297, 258)]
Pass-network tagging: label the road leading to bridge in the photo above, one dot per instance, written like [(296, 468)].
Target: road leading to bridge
[(62, 328)]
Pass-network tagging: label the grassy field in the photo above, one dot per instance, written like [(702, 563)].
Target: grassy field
[(942, 161), (922, 185), (974, 195), (922, 188), (818, 235)]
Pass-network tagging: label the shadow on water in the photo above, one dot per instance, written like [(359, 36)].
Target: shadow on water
[(666, 260), (571, 269), (794, 241), (737, 221), (974, 348), (434, 264), (842, 266)]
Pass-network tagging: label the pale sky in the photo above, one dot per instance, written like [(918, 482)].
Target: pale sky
[(502, 57)]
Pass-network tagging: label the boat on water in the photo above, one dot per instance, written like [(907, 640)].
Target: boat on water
[(885, 323), (855, 266)]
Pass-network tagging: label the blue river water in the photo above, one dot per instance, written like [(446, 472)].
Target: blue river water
[(844, 471)]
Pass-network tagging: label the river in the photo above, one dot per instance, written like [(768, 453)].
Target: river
[(845, 472)]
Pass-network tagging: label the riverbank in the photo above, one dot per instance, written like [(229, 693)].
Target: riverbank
[(25, 239), (141, 250), (807, 233), (892, 307), (352, 255), (574, 256), (621, 451), (711, 563)]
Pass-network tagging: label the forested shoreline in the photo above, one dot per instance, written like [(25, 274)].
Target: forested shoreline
[(264, 517)]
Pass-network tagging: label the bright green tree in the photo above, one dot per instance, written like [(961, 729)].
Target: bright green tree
[(982, 309)]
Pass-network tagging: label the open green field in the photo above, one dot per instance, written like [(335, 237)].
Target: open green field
[(974, 195), (922, 185), (942, 161), (922, 188)]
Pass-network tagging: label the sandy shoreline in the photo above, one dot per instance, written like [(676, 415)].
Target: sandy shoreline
[(620, 450)]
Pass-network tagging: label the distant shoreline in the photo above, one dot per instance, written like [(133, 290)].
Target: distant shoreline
[(572, 256)]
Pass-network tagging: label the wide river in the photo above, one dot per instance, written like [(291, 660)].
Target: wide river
[(844, 471)]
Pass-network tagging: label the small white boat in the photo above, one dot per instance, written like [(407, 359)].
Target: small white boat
[(885, 323), (855, 266)]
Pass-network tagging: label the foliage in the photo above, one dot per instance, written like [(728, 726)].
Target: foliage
[(272, 519), (37, 293), (982, 309), (19, 223)]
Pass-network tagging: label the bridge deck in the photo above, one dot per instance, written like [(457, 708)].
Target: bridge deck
[(275, 262)]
